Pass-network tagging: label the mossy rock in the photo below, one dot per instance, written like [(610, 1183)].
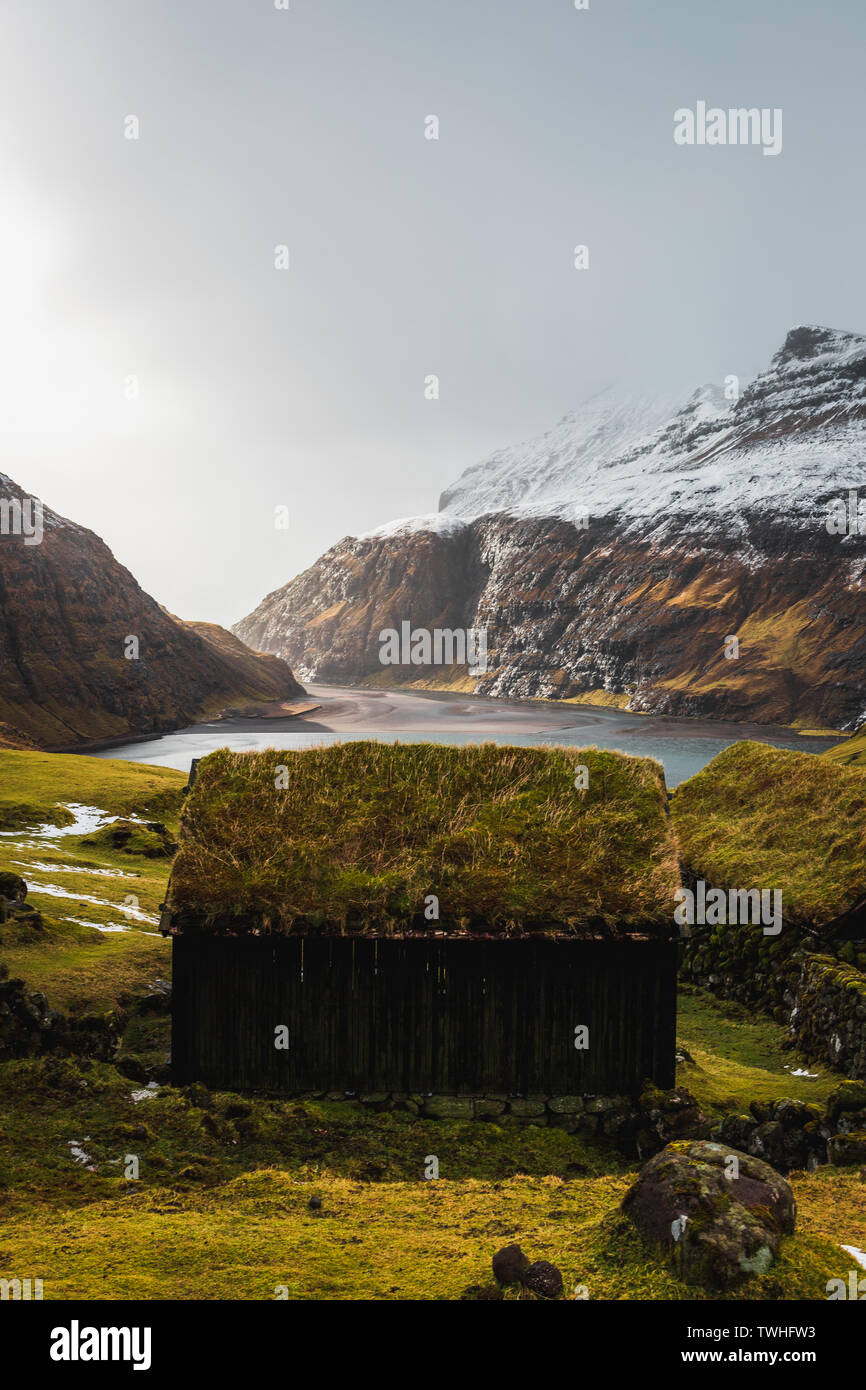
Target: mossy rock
[(845, 1150), (718, 1229), (131, 1066), (848, 1096), (448, 1108), (12, 886), (148, 839)]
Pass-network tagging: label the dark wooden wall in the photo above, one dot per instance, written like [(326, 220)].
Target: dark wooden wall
[(437, 1015)]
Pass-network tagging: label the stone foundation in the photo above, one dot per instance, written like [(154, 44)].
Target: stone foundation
[(787, 1134), (638, 1125)]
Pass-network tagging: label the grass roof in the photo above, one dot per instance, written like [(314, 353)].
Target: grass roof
[(364, 832), (762, 817)]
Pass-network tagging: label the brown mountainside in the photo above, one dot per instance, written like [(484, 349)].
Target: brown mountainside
[(67, 610)]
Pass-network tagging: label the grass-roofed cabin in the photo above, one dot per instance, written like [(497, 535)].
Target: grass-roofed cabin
[(424, 918)]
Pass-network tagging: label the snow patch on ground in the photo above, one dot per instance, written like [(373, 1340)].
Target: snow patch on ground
[(52, 890), (86, 820), (78, 1155), (36, 867), (109, 927), (146, 1093)]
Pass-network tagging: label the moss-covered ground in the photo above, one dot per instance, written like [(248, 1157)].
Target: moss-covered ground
[(221, 1208), (221, 1205)]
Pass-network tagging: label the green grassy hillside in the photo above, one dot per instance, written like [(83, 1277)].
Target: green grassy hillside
[(851, 753)]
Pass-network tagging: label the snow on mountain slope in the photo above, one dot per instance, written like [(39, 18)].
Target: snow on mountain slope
[(555, 469), (796, 435)]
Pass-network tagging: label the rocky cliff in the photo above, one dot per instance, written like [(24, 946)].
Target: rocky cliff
[(615, 557), (68, 612)]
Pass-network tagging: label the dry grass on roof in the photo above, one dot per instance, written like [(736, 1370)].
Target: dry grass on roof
[(364, 832)]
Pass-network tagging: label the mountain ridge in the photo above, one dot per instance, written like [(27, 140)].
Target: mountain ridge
[(623, 574)]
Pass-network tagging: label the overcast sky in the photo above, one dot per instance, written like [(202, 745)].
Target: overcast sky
[(154, 258)]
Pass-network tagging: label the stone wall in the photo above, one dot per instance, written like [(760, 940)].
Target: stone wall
[(830, 1013), (818, 995), (28, 1027)]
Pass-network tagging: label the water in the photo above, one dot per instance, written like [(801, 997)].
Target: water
[(682, 746)]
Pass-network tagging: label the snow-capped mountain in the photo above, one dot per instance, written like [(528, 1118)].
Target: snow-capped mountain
[(796, 432), (617, 553)]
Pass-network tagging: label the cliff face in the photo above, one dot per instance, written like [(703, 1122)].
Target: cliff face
[(614, 557), (67, 610)]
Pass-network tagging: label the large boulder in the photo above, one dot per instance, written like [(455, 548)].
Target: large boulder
[(719, 1214)]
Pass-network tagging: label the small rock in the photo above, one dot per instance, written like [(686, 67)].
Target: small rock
[(848, 1096), (448, 1108), (510, 1265), (376, 1100), (737, 1131), (12, 886), (527, 1109), (543, 1279), (131, 1066), (315, 1204), (489, 1109), (565, 1105), (792, 1113)]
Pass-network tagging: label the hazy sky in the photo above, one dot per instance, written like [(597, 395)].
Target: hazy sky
[(154, 257)]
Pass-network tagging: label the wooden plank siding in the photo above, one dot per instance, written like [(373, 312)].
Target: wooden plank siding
[(440, 1015)]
